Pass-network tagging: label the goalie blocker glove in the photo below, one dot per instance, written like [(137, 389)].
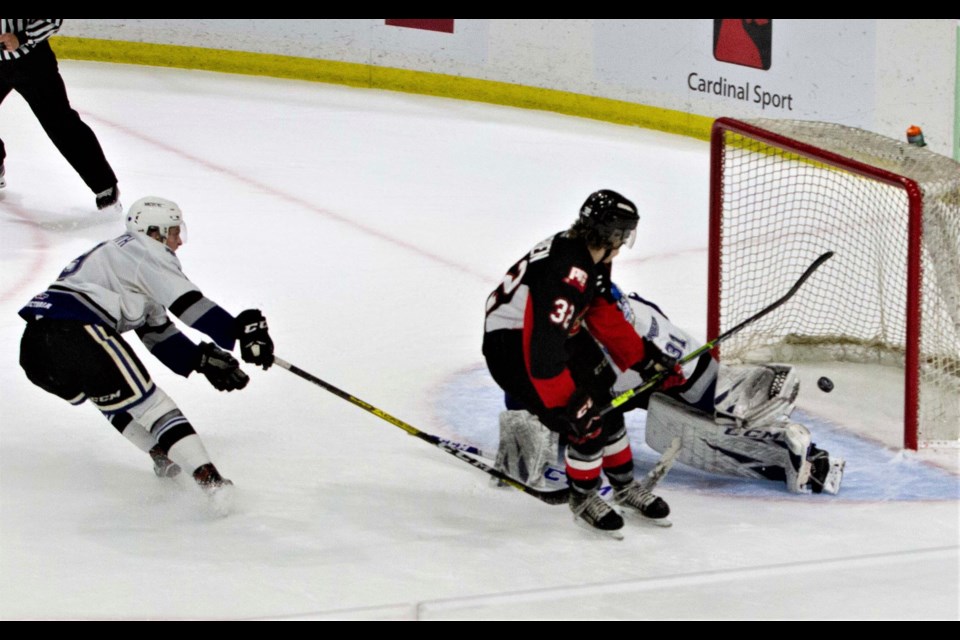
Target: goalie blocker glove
[(221, 369), (256, 347)]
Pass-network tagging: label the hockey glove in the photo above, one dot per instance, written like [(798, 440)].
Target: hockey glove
[(581, 417), (654, 361), (222, 369), (256, 346)]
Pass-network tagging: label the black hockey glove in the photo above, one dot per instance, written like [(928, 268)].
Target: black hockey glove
[(255, 344), (654, 361), (581, 418), (222, 369)]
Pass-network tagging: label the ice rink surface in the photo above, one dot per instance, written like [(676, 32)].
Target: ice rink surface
[(370, 226)]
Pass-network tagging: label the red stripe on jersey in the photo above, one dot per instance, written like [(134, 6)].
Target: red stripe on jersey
[(606, 323), (555, 391)]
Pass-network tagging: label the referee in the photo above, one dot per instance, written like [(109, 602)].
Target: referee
[(28, 65)]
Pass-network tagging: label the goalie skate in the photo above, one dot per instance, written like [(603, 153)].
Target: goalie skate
[(826, 473)]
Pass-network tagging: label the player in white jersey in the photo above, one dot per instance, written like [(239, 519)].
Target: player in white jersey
[(72, 345), (732, 420)]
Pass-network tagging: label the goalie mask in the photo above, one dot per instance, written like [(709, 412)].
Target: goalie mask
[(155, 214)]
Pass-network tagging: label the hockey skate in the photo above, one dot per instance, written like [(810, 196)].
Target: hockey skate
[(797, 439), (593, 513), (826, 473), (640, 501), (163, 466), (109, 200), (217, 488)]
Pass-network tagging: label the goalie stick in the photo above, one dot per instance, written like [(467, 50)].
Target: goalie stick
[(663, 466), (559, 496), (661, 376)]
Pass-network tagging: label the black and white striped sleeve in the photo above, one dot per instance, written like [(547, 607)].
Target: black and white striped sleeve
[(39, 29), (29, 31)]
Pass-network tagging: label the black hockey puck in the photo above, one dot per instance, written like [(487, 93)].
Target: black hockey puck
[(825, 384)]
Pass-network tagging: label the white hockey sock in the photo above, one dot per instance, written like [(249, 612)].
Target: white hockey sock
[(189, 453), (140, 437)]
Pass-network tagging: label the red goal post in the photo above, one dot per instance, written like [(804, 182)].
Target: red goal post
[(783, 192)]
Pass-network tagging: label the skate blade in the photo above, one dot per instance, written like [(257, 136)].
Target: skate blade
[(636, 516), (615, 534), (661, 523)]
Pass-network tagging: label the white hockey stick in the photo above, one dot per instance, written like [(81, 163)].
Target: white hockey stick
[(663, 466)]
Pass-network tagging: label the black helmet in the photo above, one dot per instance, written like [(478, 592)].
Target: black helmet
[(608, 219)]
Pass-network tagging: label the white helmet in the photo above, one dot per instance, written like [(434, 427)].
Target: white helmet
[(155, 214)]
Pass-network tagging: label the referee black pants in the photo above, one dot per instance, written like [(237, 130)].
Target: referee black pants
[(36, 77)]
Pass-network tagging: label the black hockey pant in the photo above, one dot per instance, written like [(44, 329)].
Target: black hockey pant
[(77, 361)]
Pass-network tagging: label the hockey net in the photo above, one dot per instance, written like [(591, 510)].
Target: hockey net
[(785, 191)]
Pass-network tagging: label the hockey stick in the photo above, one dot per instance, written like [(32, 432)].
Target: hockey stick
[(661, 376), (550, 497), (468, 448)]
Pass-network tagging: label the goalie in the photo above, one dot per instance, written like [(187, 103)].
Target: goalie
[(733, 420)]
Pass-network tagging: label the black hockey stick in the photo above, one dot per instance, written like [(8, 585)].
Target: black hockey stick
[(559, 496), (661, 376)]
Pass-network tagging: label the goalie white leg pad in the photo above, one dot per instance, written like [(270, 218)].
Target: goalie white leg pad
[(526, 447), (777, 452)]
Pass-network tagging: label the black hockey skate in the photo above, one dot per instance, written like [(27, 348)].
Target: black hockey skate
[(593, 512), (109, 200), (826, 473), (639, 500), (163, 466), (217, 488)]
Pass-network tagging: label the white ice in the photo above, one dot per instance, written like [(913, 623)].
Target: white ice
[(370, 227)]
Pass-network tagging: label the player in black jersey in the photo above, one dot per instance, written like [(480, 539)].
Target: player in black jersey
[(541, 322)]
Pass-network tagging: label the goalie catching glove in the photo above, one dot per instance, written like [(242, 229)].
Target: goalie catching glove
[(256, 347), (654, 361), (221, 369)]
